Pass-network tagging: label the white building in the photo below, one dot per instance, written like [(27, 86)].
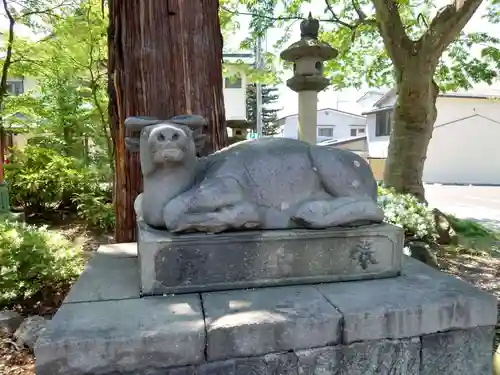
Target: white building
[(464, 148), (333, 124), (235, 86)]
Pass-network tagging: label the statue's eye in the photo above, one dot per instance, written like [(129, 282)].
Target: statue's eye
[(175, 136), (161, 137)]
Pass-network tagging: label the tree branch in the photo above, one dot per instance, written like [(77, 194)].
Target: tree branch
[(396, 41), (43, 11), (8, 53), (336, 19), (359, 11), (447, 24), (272, 18)]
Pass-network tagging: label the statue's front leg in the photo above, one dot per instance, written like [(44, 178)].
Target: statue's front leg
[(215, 205), (239, 216), (341, 211)]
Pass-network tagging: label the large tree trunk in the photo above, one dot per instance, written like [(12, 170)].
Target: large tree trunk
[(414, 66), (165, 59), (414, 117)]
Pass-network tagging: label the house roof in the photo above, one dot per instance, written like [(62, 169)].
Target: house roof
[(472, 94), (326, 109), (336, 142), (376, 110), (233, 58), (369, 92), (465, 118)]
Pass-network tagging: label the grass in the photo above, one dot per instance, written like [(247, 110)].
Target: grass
[(475, 238)]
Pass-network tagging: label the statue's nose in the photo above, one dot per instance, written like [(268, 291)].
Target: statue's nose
[(169, 136)]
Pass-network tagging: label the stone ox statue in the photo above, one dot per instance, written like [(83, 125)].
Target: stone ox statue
[(268, 183)]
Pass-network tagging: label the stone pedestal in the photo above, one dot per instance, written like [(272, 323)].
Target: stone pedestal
[(423, 322), (203, 262)]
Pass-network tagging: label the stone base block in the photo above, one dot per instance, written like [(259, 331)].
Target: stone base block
[(422, 322), (171, 264)]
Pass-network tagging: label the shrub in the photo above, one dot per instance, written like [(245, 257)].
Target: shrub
[(41, 180), (32, 259), (404, 210), (95, 206)]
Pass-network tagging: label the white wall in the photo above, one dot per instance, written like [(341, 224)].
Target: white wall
[(464, 152), (471, 141), (377, 146), (341, 122), (235, 98), (30, 84), (449, 109)]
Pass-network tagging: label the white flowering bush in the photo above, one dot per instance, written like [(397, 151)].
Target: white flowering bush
[(404, 210)]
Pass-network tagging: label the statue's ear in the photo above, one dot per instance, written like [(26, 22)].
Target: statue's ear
[(132, 144), (197, 135), (199, 141)]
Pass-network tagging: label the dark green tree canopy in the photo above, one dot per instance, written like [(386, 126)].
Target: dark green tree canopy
[(269, 109)]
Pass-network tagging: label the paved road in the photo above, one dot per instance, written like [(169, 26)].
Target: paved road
[(481, 203)]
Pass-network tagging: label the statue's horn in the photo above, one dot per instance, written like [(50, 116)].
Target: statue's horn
[(137, 123), (193, 121)]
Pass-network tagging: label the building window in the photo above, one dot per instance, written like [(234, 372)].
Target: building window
[(383, 123), (361, 131), (15, 87), (325, 132), (353, 132), (233, 83)]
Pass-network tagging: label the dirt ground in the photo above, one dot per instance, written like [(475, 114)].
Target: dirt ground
[(481, 269)]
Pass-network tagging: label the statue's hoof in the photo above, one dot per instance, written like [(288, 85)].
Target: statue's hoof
[(252, 224)]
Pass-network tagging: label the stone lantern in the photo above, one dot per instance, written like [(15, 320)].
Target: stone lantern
[(308, 56)]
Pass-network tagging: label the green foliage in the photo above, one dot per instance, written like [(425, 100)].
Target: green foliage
[(406, 211), (352, 28), (69, 111), (32, 259), (70, 152), (42, 180), (269, 113), (471, 229), (95, 206)]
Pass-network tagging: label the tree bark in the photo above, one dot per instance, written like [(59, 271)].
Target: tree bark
[(414, 117), (165, 59)]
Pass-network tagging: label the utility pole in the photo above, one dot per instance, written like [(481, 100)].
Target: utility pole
[(258, 88)]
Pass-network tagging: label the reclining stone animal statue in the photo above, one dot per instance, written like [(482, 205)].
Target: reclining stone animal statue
[(267, 183)]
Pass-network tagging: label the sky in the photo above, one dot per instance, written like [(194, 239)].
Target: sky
[(345, 100)]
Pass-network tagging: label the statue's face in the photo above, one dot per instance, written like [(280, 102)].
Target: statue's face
[(169, 143)]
